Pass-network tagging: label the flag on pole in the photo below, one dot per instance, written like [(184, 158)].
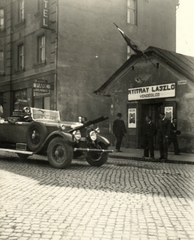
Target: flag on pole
[(131, 44)]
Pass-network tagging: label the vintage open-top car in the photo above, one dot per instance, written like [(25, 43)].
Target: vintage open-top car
[(40, 131)]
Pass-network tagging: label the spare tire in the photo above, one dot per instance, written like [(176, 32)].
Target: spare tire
[(35, 136)]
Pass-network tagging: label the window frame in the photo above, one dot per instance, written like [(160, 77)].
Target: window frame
[(132, 12), (21, 11), (2, 19), (20, 55), (41, 49), (2, 62)]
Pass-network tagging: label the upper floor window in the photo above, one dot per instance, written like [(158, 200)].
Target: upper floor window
[(132, 12), (1, 62), (2, 19), (41, 49), (21, 57), (21, 10)]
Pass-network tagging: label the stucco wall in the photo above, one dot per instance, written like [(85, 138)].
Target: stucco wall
[(90, 48)]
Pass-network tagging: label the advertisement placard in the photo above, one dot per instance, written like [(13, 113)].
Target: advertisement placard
[(132, 118)]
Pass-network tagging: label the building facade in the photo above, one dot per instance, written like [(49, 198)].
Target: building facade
[(55, 53), (161, 82)]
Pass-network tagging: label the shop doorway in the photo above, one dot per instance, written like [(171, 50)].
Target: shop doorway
[(42, 102), (153, 110)]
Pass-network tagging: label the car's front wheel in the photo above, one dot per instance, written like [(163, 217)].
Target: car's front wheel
[(59, 153), (97, 158)]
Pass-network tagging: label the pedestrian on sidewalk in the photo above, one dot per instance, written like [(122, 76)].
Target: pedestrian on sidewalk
[(173, 136), (149, 134), (119, 131), (164, 135)]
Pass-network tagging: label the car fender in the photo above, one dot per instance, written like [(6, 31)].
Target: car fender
[(67, 137), (103, 140)]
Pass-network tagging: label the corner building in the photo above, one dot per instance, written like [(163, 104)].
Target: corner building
[(55, 53)]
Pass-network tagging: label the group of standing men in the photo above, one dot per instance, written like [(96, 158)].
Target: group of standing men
[(166, 134)]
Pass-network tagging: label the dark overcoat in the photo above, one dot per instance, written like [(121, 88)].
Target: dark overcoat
[(119, 128)]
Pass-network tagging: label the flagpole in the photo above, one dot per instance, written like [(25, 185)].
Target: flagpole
[(133, 46)]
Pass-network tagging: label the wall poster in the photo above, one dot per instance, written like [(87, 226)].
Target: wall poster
[(132, 118), (168, 112)]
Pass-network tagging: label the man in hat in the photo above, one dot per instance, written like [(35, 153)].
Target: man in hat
[(164, 135), (173, 137), (149, 134), (119, 131)]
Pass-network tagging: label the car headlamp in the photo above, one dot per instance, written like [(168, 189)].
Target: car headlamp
[(93, 135), (62, 126), (77, 135)]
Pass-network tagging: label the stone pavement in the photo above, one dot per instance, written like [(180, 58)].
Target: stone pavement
[(121, 200), (136, 154)]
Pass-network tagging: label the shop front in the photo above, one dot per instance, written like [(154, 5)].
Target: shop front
[(148, 101), (163, 82)]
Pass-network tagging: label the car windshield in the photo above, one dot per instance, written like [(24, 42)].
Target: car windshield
[(44, 114)]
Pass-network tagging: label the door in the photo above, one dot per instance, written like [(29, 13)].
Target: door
[(153, 110)]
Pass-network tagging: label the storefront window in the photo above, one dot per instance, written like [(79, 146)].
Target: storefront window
[(22, 94)]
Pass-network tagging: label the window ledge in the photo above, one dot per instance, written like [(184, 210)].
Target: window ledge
[(22, 23), (40, 64), (19, 70)]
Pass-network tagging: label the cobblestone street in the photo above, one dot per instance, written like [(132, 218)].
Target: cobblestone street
[(123, 199)]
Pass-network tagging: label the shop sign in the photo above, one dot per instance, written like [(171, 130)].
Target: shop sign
[(156, 91), (41, 88), (182, 82), (45, 14)]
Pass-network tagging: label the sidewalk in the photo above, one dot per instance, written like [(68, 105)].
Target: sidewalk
[(136, 154)]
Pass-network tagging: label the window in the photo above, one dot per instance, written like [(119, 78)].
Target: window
[(21, 10), (41, 49), (21, 57), (1, 19), (21, 94), (1, 62), (132, 12)]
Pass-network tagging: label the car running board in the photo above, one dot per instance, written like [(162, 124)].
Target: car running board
[(16, 151), (92, 150)]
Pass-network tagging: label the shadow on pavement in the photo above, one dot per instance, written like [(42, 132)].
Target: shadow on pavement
[(122, 176)]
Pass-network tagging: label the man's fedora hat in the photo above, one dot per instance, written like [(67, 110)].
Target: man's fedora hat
[(119, 115)]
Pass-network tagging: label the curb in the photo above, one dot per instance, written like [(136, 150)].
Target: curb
[(150, 159)]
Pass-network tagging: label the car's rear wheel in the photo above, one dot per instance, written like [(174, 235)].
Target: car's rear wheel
[(59, 153), (97, 158), (35, 136)]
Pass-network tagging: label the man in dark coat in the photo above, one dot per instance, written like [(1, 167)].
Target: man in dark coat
[(164, 135), (119, 130), (173, 137), (149, 134)]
